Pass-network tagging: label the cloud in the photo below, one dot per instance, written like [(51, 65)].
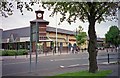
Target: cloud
[(102, 28)]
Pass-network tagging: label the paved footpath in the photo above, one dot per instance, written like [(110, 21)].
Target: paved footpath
[(102, 52), (33, 55)]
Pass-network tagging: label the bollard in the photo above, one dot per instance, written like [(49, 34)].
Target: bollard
[(26, 55), (108, 58), (15, 55)]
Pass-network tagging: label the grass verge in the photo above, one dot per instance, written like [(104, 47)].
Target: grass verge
[(84, 74)]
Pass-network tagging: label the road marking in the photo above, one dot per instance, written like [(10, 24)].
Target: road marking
[(62, 66), (108, 63), (67, 59), (17, 63), (51, 60), (73, 65)]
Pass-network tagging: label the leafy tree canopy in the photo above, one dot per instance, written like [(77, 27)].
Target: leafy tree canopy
[(81, 36), (75, 10), (7, 6), (102, 11), (113, 36)]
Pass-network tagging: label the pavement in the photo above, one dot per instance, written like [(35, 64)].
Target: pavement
[(111, 66), (33, 55), (48, 54)]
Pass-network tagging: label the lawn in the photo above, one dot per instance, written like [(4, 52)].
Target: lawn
[(84, 74)]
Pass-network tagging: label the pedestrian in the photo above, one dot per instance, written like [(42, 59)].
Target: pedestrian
[(107, 50), (82, 49), (77, 49), (72, 49)]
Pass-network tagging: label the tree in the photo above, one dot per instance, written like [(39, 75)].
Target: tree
[(113, 36), (7, 6), (81, 36), (91, 12)]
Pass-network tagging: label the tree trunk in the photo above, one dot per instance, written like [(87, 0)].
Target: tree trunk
[(92, 46)]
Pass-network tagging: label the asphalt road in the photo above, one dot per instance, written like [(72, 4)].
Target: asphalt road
[(11, 67)]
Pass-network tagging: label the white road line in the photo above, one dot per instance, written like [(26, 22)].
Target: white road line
[(62, 66), (73, 65), (51, 60), (67, 59)]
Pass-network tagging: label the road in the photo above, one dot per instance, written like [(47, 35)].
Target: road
[(19, 66)]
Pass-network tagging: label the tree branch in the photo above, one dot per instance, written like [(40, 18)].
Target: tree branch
[(99, 9), (102, 13), (84, 10)]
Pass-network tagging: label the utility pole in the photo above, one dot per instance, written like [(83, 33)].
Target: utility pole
[(56, 35), (31, 36)]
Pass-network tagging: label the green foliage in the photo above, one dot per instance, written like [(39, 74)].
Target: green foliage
[(7, 6), (113, 36), (81, 36), (22, 52), (13, 52), (52, 43), (3, 53), (10, 52), (70, 11)]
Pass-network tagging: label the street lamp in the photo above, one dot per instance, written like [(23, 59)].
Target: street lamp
[(56, 35), (76, 36)]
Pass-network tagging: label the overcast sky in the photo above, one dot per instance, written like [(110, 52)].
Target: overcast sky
[(18, 21)]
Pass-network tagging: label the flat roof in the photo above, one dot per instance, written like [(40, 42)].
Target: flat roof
[(25, 32)]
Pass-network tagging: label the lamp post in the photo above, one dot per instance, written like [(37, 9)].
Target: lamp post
[(31, 39), (36, 44), (76, 36), (56, 35)]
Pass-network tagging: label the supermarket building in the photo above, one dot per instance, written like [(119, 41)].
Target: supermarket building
[(20, 38)]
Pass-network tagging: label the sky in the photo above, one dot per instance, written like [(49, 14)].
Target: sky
[(17, 20)]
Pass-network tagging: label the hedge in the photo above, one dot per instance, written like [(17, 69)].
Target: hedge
[(13, 52)]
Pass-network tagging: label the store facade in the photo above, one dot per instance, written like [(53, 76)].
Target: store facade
[(20, 38)]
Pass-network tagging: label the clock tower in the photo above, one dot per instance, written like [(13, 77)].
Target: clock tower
[(38, 30), (39, 14)]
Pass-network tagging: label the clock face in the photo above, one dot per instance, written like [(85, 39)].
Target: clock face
[(39, 15)]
